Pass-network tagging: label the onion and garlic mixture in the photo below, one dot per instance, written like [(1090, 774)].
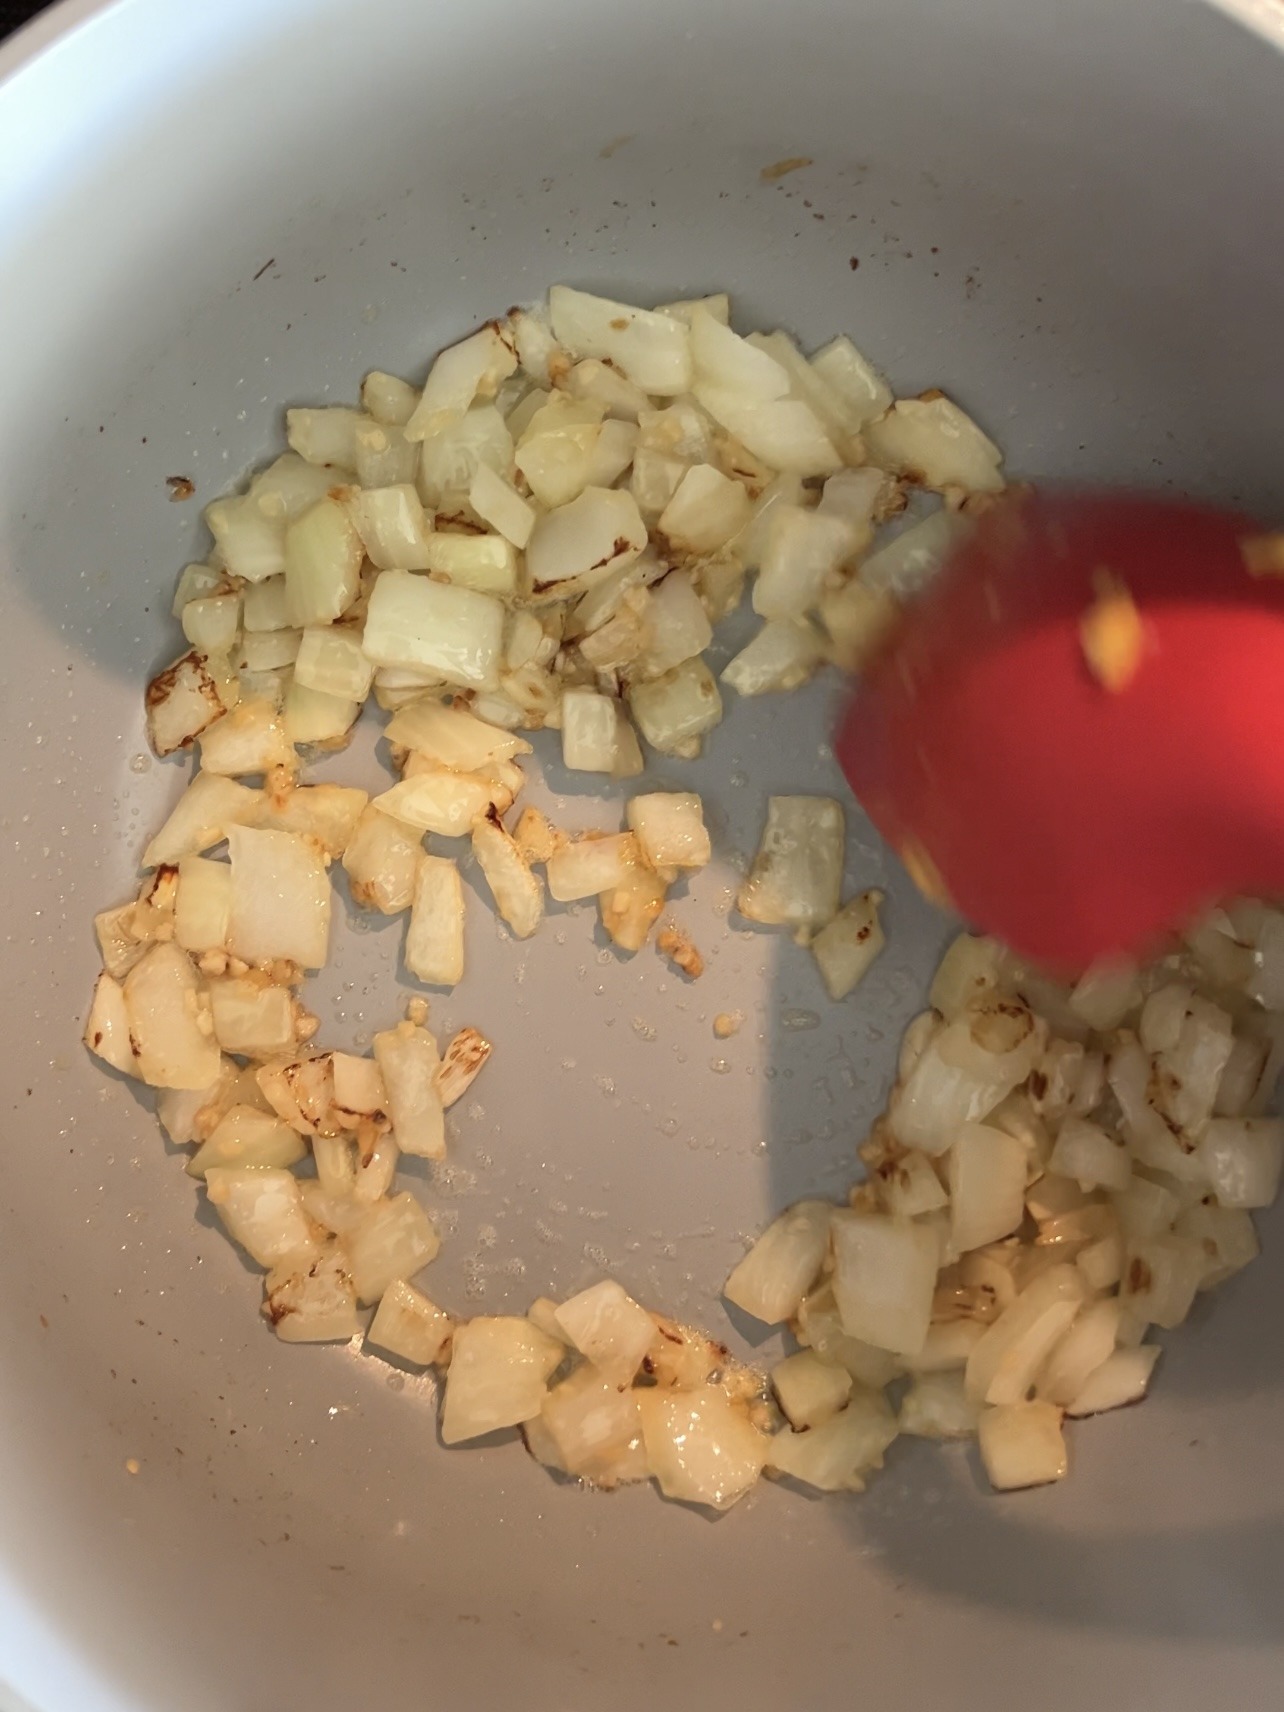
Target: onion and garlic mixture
[(544, 536)]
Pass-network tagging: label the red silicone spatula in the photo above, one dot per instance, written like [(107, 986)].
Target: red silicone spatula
[(1078, 732)]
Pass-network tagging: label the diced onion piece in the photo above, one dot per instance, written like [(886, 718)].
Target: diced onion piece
[(461, 1064), (267, 651), (439, 801), (435, 938), (911, 559), (324, 436), (808, 1389), (301, 1093), (1022, 1445), (700, 1448), (675, 710), (487, 563), (280, 898), (195, 582), (1161, 1277), (323, 555), (907, 1185), (836, 1456), (246, 1136), (359, 1089), (858, 620), (393, 527), (846, 372), (1225, 1236), (518, 894), (558, 449), (452, 737), (597, 380), (261, 1209), (248, 739), (1122, 1378), (201, 818), (166, 1008), (846, 947), (409, 1325), (390, 1242), (203, 906), (182, 701), (670, 829), (498, 503), (655, 479), (803, 550), (968, 971), (782, 656), (312, 1302), (785, 433), (382, 861), (1106, 994), (384, 457), (593, 1425), (1090, 1340), (631, 908), (252, 1016), (884, 1277), (937, 1406), (1090, 1155), (609, 1329), (499, 1368), (797, 874), (107, 1027), (955, 1081), (718, 305), (678, 626), (583, 543), (839, 421), (723, 359), (1190, 1071), (451, 457), (987, 1186), (454, 632), (211, 625), (409, 1064), (1003, 1366), (249, 536), (388, 398), (289, 486), (265, 605), (650, 349), (327, 813), (589, 732), (462, 373), (587, 866), (935, 442)]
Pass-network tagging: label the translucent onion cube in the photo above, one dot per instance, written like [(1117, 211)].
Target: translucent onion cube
[(884, 1279), (454, 632), (261, 1209), (435, 937), (609, 1328), (700, 1448), (280, 898), (498, 1374), (409, 1325), (1022, 1445), (391, 1241), (797, 874), (783, 1264)]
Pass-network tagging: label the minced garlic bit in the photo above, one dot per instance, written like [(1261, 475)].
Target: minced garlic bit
[(1111, 634), (677, 947), (727, 1023), (1263, 555), (132, 1465), (417, 1011)]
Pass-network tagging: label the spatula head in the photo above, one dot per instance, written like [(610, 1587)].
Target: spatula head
[(1078, 731)]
